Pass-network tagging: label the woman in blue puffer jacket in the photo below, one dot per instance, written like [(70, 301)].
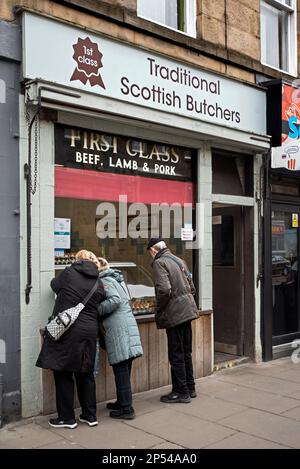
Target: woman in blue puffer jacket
[(122, 338)]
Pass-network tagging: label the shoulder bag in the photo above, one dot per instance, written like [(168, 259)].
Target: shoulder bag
[(59, 324)]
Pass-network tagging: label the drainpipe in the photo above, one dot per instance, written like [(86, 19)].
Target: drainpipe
[(1, 398), (29, 192)]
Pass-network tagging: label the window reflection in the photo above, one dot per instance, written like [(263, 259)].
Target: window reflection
[(127, 254), (284, 273)]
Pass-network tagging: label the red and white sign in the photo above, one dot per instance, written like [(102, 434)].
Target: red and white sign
[(288, 154)]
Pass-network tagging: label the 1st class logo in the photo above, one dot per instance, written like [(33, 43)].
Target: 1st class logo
[(88, 60)]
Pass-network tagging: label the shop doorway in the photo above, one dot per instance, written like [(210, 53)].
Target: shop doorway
[(228, 282)]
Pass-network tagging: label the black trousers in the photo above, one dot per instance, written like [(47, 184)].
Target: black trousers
[(180, 358), (122, 372), (86, 391)]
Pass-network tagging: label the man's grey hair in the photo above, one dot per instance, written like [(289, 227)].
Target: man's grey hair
[(159, 246)]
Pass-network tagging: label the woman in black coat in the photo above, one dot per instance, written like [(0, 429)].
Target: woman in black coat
[(74, 353)]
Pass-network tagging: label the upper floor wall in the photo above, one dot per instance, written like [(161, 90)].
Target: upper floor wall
[(239, 38)]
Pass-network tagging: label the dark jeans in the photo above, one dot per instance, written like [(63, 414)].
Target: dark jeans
[(86, 390), (180, 358), (122, 372)]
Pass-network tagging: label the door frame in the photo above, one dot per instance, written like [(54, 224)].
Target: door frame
[(237, 212), (248, 205)]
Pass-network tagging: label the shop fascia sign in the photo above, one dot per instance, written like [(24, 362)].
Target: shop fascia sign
[(287, 155), (69, 56)]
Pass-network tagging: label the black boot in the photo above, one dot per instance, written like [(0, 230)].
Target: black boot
[(175, 397), (126, 413), (113, 405)]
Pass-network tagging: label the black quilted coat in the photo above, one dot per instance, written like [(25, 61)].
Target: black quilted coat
[(76, 349)]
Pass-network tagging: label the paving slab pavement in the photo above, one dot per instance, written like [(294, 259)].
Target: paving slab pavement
[(243, 441), (273, 428), (249, 406)]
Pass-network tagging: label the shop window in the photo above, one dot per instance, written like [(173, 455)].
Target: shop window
[(278, 34), (93, 170), (223, 241), (285, 249), (175, 14)]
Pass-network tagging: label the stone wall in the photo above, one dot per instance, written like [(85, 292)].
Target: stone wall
[(228, 31)]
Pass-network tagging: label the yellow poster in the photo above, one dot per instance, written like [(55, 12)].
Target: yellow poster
[(295, 223)]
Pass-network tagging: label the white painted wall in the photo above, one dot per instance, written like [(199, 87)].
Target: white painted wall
[(34, 315), (2, 351), (2, 91), (204, 199)]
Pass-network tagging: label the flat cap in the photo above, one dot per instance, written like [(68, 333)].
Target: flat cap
[(152, 242)]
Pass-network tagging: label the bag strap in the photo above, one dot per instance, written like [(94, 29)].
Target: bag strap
[(91, 292), (182, 269)]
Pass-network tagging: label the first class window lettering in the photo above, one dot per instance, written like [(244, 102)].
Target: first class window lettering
[(97, 151)]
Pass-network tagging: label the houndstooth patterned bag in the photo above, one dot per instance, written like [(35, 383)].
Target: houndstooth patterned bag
[(59, 324), (63, 321)]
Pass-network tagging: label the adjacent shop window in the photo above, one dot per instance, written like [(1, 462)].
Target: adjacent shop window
[(176, 14), (278, 34), (285, 284)]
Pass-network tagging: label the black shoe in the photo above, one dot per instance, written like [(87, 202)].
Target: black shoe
[(193, 394), (121, 413), (58, 423), (113, 405), (91, 421), (176, 398)]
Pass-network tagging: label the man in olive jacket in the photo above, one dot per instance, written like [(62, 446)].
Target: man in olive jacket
[(176, 308)]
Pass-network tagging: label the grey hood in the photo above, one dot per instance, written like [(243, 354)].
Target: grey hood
[(114, 273)]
